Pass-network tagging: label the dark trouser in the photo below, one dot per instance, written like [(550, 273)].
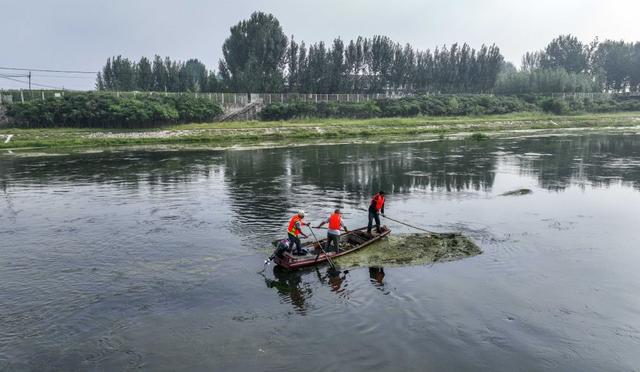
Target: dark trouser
[(295, 240), (373, 215), (335, 239), (280, 249)]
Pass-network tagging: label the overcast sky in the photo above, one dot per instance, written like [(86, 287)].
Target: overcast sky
[(81, 34)]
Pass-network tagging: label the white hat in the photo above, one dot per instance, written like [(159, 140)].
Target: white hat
[(301, 212)]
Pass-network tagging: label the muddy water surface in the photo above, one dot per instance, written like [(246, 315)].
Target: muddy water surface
[(148, 259)]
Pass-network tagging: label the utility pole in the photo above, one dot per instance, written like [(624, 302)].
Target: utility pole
[(29, 80)]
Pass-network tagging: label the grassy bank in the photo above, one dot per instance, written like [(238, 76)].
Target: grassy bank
[(310, 130)]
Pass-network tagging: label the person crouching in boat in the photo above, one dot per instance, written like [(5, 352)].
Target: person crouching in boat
[(333, 234), (375, 209), (295, 230)]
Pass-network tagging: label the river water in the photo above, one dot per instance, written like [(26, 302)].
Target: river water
[(130, 259)]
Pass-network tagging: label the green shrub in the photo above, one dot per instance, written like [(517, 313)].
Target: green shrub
[(301, 110), (107, 110), (630, 103), (404, 107), (554, 106), (358, 111), (193, 110), (448, 105)]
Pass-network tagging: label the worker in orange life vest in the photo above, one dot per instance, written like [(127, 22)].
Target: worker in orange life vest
[(295, 229), (333, 234), (375, 209)]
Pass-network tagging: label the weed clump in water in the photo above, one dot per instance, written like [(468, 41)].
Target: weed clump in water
[(478, 136), (517, 192), (413, 249)]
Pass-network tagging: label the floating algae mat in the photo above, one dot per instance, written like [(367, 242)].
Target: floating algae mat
[(412, 249)]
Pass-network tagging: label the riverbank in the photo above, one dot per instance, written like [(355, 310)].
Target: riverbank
[(309, 131)]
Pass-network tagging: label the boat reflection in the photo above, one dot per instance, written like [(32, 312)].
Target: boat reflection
[(376, 277), (334, 278), (290, 287), (293, 289)]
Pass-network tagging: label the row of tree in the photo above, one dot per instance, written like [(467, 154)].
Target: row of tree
[(258, 57), (610, 65), (122, 74), (541, 81), (378, 64)]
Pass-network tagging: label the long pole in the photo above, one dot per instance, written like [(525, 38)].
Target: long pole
[(322, 249), (29, 81), (431, 233), (406, 224)]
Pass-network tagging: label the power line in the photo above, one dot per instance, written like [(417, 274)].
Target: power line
[(62, 76), (45, 70), (10, 78), (26, 82), (47, 86), (15, 76)]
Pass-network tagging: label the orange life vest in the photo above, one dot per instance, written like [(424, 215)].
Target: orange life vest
[(335, 222), (377, 201), (293, 230)]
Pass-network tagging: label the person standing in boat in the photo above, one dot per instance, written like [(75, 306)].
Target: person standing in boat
[(333, 234), (295, 230), (375, 209)]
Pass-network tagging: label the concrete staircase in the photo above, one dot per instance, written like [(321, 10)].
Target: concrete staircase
[(250, 111)]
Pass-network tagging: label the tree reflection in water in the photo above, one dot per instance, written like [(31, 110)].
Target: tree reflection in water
[(267, 184)]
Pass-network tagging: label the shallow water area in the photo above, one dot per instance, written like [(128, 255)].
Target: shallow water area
[(148, 258)]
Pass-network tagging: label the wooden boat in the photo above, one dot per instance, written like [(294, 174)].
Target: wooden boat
[(349, 242)]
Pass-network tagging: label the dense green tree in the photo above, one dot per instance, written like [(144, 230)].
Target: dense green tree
[(531, 61), (194, 76), (566, 52), (303, 79), (144, 75), (544, 81), (213, 83), (317, 69), (159, 73), (100, 82), (173, 75), (380, 61), (254, 55), (351, 66), (118, 74), (402, 68), (635, 68), (293, 76), (125, 72), (613, 61), (337, 67)]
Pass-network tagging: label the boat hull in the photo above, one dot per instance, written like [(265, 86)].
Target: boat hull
[(355, 239)]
